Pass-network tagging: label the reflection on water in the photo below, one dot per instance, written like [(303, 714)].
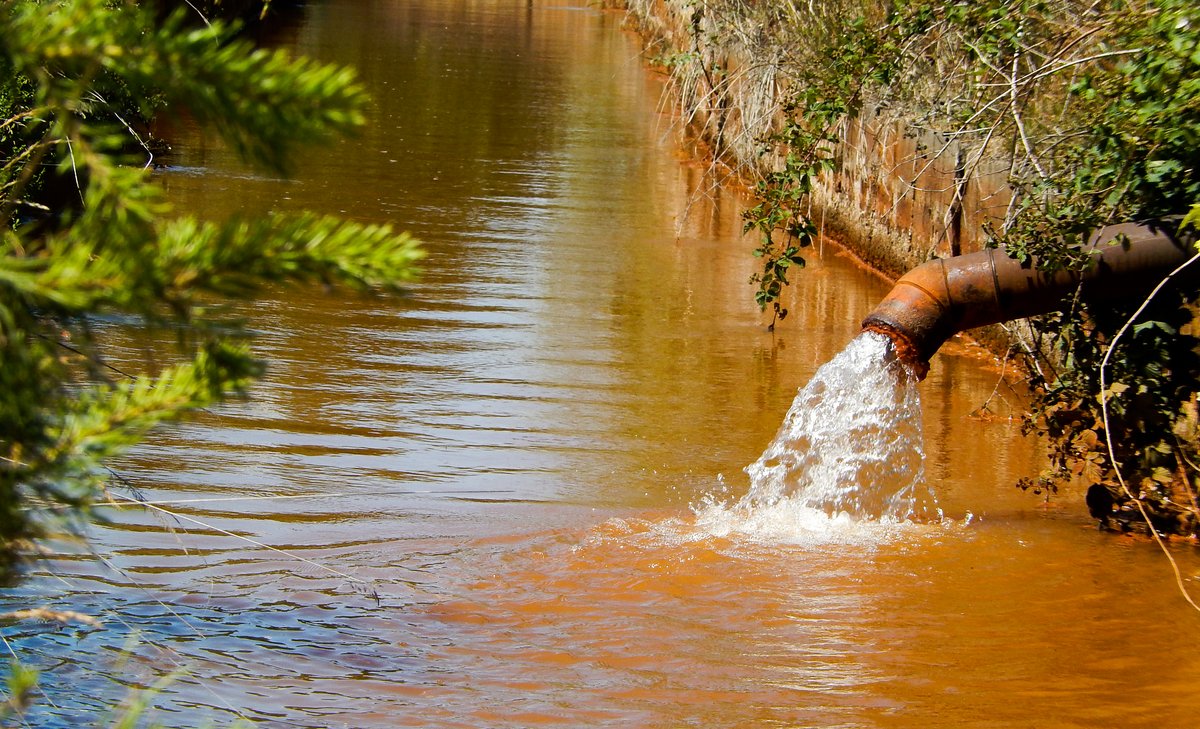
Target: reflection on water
[(476, 497)]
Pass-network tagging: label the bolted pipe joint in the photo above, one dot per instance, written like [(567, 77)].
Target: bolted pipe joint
[(942, 297)]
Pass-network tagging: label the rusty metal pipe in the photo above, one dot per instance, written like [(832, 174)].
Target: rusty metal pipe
[(942, 297)]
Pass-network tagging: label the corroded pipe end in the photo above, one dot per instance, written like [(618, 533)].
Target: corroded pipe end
[(903, 347), (916, 314), (933, 301)]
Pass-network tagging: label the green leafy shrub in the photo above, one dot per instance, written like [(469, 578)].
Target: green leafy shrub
[(1095, 110)]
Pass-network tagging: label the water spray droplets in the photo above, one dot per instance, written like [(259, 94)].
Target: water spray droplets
[(850, 448)]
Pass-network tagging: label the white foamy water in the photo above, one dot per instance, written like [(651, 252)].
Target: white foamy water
[(848, 457)]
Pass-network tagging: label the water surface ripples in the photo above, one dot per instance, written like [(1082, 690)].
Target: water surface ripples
[(471, 505)]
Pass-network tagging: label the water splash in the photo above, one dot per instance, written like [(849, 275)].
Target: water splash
[(850, 450)]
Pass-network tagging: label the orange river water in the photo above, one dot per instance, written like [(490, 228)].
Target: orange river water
[(471, 506)]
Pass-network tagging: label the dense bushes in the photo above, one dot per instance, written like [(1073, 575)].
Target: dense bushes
[(1091, 111)]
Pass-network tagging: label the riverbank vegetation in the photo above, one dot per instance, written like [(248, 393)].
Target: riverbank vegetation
[(1087, 113), (88, 235)]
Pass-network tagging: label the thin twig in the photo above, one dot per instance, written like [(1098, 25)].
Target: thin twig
[(75, 171), (249, 540), (1108, 431)]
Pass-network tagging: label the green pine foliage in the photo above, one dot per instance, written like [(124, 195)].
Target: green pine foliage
[(77, 74)]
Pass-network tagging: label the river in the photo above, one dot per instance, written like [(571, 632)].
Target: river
[(472, 505)]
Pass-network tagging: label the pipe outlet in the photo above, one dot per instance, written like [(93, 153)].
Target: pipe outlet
[(942, 297)]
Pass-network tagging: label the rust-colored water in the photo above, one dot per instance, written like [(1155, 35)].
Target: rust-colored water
[(483, 489)]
